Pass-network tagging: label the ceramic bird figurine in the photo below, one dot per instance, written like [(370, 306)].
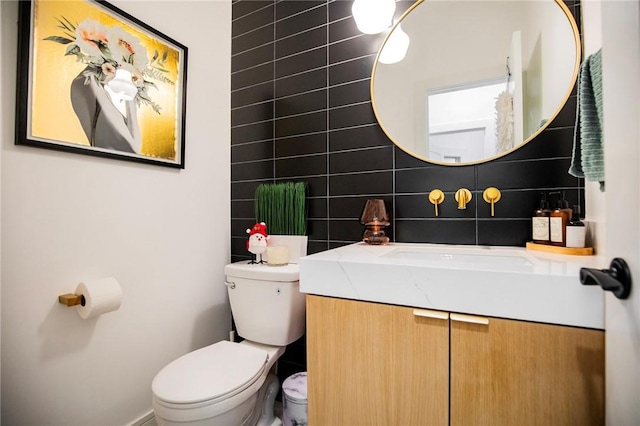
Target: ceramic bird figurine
[(257, 242)]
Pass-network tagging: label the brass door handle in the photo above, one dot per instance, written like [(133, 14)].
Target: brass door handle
[(469, 318), (427, 313)]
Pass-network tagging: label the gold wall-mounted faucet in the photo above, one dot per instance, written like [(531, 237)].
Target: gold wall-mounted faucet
[(491, 195), (463, 196), (436, 197)]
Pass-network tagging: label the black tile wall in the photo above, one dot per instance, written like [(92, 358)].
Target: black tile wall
[(301, 111)]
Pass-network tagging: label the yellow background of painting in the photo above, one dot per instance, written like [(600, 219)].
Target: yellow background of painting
[(52, 115)]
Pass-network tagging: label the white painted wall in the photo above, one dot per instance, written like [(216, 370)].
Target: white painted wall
[(2, 114), (163, 233)]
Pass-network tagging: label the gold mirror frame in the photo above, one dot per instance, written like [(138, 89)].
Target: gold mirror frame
[(569, 90)]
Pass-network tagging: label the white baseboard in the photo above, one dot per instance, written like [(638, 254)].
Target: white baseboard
[(146, 420)]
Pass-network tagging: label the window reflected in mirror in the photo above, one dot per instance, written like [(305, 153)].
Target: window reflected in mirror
[(469, 123)]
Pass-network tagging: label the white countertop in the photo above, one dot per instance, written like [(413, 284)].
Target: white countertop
[(505, 282)]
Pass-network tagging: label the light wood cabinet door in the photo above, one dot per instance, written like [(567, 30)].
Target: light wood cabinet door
[(374, 364), (518, 373)]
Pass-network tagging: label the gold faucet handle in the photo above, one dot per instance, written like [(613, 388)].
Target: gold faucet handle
[(463, 196), (436, 197), (491, 195)]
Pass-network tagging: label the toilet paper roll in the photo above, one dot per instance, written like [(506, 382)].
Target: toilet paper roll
[(100, 296)]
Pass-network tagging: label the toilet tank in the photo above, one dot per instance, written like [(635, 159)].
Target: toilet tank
[(266, 302)]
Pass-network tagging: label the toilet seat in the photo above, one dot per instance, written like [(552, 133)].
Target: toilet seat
[(209, 375)]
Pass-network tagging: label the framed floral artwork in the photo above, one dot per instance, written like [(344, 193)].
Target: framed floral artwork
[(94, 80)]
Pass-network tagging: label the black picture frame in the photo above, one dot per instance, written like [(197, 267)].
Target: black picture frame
[(94, 80)]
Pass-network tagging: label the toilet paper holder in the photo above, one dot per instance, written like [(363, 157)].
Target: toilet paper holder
[(71, 299), (94, 297)]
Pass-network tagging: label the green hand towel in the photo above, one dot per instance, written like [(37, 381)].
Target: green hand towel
[(588, 149)]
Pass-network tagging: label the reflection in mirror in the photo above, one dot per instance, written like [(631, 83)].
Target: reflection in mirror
[(480, 78)]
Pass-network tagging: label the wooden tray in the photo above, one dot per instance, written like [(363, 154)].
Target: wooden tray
[(582, 251)]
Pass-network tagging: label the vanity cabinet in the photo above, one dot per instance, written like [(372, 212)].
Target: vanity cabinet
[(377, 364)]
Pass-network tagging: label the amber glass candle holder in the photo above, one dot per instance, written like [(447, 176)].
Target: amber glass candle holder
[(375, 219)]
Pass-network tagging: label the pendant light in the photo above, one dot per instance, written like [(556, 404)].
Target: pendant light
[(396, 47), (373, 16)]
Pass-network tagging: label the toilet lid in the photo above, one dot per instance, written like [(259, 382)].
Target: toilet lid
[(221, 369)]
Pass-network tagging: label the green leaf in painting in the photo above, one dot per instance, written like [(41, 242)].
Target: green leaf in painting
[(68, 25), (72, 49), (58, 39)]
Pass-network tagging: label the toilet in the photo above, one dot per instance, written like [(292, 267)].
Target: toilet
[(229, 383)]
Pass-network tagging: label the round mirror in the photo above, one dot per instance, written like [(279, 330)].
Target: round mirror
[(479, 78)]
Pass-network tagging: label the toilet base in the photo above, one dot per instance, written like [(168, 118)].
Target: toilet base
[(267, 395), (257, 410)]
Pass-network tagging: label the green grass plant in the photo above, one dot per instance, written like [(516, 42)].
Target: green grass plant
[(282, 206)]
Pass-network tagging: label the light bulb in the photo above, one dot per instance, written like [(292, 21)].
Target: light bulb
[(396, 47), (122, 85), (373, 16)]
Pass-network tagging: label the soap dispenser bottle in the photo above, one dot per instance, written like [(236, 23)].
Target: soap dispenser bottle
[(560, 217), (565, 207), (540, 222), (576, 231)]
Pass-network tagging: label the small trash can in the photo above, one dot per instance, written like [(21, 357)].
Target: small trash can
[(294, 392)]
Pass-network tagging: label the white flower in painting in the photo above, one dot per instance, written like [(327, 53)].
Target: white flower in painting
[(105, 50), (109, 72), (91, 37), (126, 48)]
